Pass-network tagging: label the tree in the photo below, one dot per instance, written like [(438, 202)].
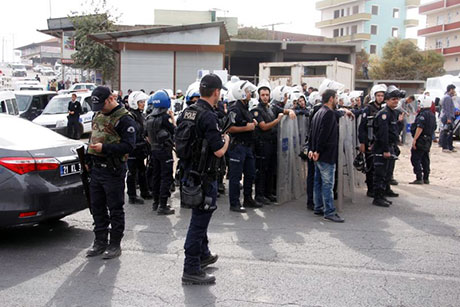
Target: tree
[(91, 54), (402, 60), (252, 33)]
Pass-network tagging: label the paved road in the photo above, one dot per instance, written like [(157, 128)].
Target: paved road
[(407, 255)]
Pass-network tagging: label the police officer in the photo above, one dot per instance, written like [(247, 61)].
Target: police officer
[(384, 148), (113, 137), (136, 160), (241, 155), (280, 97), (265, 149), (73, 119), (422, 129), (160, 129), (197, 253), (221, 111), (365, 132)]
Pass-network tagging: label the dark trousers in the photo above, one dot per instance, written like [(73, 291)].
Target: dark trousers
[(136, 171), (310, 183), (107, 191), (380, 174), (265, 168), (370, 171), (162, 174), (421, 162), (196, 242), (446, 139), (73, 127), (242, 161)]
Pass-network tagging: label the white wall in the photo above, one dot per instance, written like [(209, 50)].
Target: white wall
[(206, 36), (188, 64)]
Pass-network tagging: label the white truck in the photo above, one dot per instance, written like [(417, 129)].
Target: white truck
[(312, 73)]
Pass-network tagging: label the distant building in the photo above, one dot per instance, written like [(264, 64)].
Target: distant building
[(179, 18), (442, 32), (48, 51), (367, 23)]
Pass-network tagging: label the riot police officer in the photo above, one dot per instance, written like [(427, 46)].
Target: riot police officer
[(241, 155), (265, 147), (197, 253), (136, 160), (160, 130), (385, 149), (422, 130), (113, 137), (366, 133)]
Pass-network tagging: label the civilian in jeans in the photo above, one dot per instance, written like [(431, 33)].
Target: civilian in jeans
[(323, 151), (447, 120)]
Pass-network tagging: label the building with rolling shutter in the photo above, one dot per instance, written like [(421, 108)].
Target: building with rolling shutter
[(165, 57)]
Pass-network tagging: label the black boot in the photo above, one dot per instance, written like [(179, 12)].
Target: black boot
[(416, 181), (156, 203), (379, 200), (251, 203), (426, 180), (262, 200), (221, 188), (390, 193), (112, 251), (136, 201), (146, 195), (99, 246), (199, 278), (164, 209)]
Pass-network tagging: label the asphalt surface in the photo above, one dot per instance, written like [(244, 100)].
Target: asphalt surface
[(283, 255)]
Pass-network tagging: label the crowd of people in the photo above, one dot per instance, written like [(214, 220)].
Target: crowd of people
[(231, 130)]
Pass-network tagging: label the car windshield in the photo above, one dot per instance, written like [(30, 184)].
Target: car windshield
[(58, 105), (23, 102)]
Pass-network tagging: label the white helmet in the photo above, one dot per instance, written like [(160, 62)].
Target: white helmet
[(330, 85), (314, 98), (377, 88), (279, 92), (346, 99), (264, 84), (241, 87), (425, 102), (135, 97)]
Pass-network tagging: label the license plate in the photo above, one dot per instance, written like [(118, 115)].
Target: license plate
[(70, 169)]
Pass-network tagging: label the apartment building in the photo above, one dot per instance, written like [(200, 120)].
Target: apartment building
[(367, 23), (442, 31)]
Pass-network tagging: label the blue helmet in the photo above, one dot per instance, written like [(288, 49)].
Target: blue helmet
[(160, 99), (191, 95)]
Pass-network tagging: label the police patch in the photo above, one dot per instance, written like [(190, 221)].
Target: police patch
[(422, 118), (190, 115), (384, 116), (256, 113), (131, 129), (364, 115)]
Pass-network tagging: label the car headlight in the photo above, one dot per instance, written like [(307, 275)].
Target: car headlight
[(61, 123)]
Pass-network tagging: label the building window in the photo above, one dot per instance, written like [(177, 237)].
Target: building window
[(394, 32), (336, 33), (374, 29), (439, 20), (456, 59), (280, 71), (341, 31), (355, 9), (373, 49), (348, 11), (438, 44), (336, 14), (447, 42), (375, 10), (342, 12), (354, 29), (395, 13), (314, 71)]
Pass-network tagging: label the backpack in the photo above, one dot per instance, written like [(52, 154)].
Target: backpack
[(186, 138)]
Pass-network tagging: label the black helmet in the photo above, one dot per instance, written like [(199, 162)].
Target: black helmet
[(394, 92), (359, 163)]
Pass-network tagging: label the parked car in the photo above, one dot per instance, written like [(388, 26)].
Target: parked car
[(48, 72), (8, 103), (32, 103), (39, 174), (78, 87), (38, 68), (19, 70), (54, 116), (24, 85)]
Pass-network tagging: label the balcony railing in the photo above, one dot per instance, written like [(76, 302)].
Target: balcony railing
[(410, 4), (410, 23), (439, 29), (353, 38), (342, 20), (438, 5), (331, 3)]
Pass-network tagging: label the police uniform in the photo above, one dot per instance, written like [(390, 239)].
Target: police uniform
[(265, 152), (386, 138), (116, 131), (364, 138), (136, 166), (420, 157), (222, 166), (73, 120), (197, 252), (160, 132), (241, 159)]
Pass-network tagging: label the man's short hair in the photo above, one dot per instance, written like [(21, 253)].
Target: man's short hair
[(327, 95), (303, 83), (206, 92), (73, 94), (450, 87), (411, 97)]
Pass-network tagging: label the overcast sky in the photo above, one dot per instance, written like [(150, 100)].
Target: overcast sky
[(21, 19)]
